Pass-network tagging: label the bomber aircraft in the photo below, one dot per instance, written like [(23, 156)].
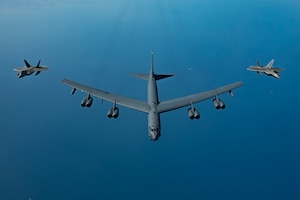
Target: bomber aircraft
[(28, 69), (268, 69), (153, 107)]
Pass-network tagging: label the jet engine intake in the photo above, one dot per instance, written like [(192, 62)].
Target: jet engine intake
[(193, 113)]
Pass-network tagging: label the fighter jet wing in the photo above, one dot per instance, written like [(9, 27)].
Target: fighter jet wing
[(119, 100), (256, 68), (194, 98), (278, 69), (40, 69), (20, 69)]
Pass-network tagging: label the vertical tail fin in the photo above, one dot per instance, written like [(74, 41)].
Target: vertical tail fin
[(27, 64), (270, 64), (152, 63), (38, 65), (258, 63), (152, 74)]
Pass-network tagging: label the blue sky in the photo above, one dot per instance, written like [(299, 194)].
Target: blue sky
[(52, 148)]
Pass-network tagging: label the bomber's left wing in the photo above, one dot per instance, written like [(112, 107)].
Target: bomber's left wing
[(194, 98), (119, 100)]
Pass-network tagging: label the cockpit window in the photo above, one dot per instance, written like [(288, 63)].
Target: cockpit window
[(154, 129)]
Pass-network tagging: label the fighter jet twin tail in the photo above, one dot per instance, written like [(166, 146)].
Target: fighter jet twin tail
[(268, 69), (28, 69)]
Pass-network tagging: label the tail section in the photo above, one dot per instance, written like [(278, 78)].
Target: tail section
[(270, 64), (152, 74), (162, 76), (156, 76), (27, 64), (38, 65), (141, 76)]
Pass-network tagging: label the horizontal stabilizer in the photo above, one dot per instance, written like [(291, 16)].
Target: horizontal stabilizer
[(156, 76), (162, 76), (141, 76)]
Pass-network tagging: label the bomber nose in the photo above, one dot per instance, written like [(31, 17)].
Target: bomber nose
[(154, 133), (154, 136)]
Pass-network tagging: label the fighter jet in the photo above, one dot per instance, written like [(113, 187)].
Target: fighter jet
[(268, 69), (153, 107), (28, 69)]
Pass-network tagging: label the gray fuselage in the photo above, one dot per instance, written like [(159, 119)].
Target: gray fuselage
[(153, 115)]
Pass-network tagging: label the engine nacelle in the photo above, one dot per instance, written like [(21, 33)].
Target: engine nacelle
[(110, 112), (115, 113), (193, 113), (89, 102), (222, 104), (196, 114), (218, 103), (83, 102)]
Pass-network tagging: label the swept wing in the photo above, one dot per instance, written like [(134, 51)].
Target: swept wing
[(256, 68), (194, 98), (20, 69), (120, 100), (278, 69), (40, 68)]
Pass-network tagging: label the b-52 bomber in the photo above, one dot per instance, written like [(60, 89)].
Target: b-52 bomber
[(28, 69), (268, 69), (153, 107)]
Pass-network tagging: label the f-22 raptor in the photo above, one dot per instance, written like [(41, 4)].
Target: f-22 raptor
[(268, 69), (28, 69)]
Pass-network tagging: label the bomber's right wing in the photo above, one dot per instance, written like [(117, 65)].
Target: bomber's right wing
[(194, 98), (119, 100)]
